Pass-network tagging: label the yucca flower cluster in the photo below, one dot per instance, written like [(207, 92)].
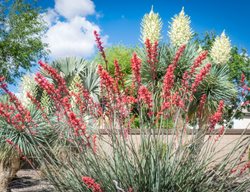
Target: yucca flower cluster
[(151, 27), (180, 31), (27, 85), (220, 51)]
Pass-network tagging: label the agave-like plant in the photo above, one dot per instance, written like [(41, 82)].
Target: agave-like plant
[(70, 67), (18, 140)]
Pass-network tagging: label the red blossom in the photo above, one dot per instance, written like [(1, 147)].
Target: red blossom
[(145, 96), (214, 119), (19, 118), (245, 167), (118, 75), (106, 80), (221, 131), (101, 48), (168, 81), (198, 61), (152, 54), (177, 100), (200, 76), (136, 68), (178, 55), (62, 88), (91, 184)]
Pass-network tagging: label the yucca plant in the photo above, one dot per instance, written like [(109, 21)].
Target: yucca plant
[(17, 136), (70, 67)]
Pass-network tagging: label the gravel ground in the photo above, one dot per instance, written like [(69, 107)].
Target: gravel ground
[(29, 181)]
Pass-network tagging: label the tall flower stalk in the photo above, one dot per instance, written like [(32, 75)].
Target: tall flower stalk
[(180, 31), (221, 48), (151, 26)]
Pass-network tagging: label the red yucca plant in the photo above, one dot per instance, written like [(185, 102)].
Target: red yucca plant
[(90, 145)]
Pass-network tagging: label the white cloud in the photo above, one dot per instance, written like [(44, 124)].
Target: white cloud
[(72, 36), (50, 17), (72, 8)]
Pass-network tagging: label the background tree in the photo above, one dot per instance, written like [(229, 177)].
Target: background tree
[(21, 29), (119, 52)]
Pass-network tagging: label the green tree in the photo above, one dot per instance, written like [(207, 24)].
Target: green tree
[(21, 29), (122, 54)]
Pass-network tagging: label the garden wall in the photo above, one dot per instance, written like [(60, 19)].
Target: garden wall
[(225, 144)]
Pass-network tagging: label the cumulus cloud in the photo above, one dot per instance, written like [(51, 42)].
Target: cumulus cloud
[(70, 33), (50, 17), (73, 8)]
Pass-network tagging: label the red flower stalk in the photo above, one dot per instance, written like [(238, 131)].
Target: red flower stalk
[(136, 68), (7, 113), (198, 61), (78, 126), (145, 96), (101, 48), (152, 53), (118, 72), (217, 116), (118, 75), (221, 131), (245, 167), (199, 77), (47, 86), (23, 116), (178, 55), (168, 80), (54, 74), (176, 100), (201, 104), (91, 184), (185, 78), (106, 80)]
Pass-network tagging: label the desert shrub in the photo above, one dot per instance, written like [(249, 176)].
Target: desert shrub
[(92, 148)]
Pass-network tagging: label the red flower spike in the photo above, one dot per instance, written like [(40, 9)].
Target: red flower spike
[(106, 80), (198, 61), (199, 77), (101, 48), (62, 88), (168, 80), (136, 68), (217, 116), (145, 96), (152, 54), (91, 184)]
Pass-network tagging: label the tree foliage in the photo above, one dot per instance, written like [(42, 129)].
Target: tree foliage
[(120, 53), (21, 29)]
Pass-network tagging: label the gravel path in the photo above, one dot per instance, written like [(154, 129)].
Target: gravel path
[(29, 181)]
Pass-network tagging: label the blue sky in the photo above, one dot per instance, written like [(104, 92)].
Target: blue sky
[(120, 20), (71, 22)]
